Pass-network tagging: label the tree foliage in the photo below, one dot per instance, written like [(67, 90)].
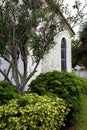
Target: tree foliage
[(23, 25), (79, 47)]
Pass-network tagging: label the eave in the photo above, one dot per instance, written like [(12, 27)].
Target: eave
[(67, 24)]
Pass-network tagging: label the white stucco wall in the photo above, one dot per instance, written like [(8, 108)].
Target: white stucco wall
[(31, 65), (3, 66), (52, 60)]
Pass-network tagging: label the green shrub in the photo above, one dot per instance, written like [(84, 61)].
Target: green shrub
[(65, 85), (33, 112), (7, 92), (84, 85)]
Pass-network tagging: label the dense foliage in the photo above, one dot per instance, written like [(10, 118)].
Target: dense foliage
[(7, 92), (65, 85), (84, 80), (79, 47), (33, 112)]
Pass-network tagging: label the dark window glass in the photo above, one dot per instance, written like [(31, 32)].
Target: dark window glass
[(63, 55)]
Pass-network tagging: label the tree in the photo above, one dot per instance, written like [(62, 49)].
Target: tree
[(25, 26), (79, 47)]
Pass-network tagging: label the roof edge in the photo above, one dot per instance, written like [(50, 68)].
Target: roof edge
[(65, 21)]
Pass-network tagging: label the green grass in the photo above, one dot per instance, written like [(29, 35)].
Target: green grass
[(82, 117)]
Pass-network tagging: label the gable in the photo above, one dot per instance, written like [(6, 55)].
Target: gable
[(66, 24)]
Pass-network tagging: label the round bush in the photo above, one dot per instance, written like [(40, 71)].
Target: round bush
[(33, 112), (65, 85), (7, 92)]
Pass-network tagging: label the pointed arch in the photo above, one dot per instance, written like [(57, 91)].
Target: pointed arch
[(63, 54)]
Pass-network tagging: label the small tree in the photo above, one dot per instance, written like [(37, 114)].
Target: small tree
[(23, 25)]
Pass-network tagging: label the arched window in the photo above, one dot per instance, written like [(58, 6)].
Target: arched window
[(63, 54)]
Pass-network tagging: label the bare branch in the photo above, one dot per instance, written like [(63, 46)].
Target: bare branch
[(6, 77), (5, 58), (8, 71)]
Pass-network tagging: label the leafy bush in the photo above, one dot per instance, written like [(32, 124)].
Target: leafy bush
[(65, 85), (33, 112), (7, 92), (84, 85)]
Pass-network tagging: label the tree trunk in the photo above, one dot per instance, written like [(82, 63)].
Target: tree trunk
[(22, 87)]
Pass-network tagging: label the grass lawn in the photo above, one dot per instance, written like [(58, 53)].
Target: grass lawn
[(82, 117)]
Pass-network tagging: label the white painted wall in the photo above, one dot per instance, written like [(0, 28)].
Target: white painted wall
[(52, 61)]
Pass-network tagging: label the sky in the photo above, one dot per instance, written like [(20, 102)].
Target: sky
[(71, 3)]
